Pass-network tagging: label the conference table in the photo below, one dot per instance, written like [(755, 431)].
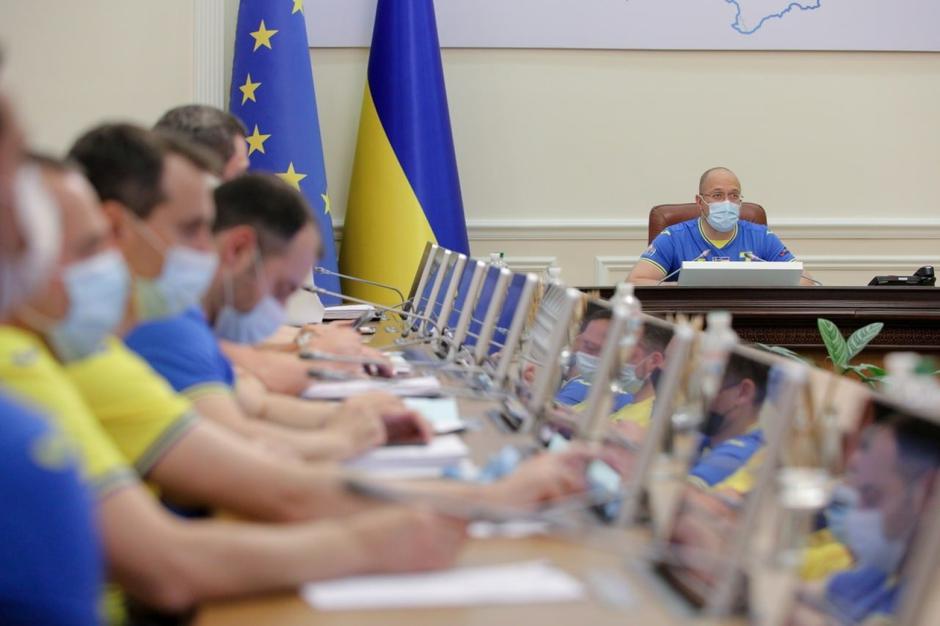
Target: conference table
[(613, 563)]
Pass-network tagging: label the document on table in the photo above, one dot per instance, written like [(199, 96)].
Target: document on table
[(442, 413), (403, 387), (443, 451), (347, 311), (530, 582)]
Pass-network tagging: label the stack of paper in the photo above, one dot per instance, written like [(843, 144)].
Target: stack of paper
[(413, 461), (347, 312), (404, 387), (534, 582), (441, 413)]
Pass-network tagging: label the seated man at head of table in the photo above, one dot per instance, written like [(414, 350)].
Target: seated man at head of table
[(718, 234)]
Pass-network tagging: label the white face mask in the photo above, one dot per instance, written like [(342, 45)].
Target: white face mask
[(723, 216), (255, 325), (183, 281), (98, 288), (587, 365), (864, 536), (39, 220)]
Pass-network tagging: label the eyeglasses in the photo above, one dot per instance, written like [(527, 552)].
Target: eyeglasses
[(721, 196)]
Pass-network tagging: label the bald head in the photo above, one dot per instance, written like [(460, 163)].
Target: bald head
[(718, 178)]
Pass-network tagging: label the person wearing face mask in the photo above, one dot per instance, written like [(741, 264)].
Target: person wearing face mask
[(893, 473), (267, 241), (732, 438), (51, 536), (718, 229), (222, 134), (640, 376), (587, 355)]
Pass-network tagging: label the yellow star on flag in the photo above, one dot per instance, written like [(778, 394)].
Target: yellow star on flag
[(292, 177), (256, 141), (298, 7), (248, 90), (326, 203), (262, 37)]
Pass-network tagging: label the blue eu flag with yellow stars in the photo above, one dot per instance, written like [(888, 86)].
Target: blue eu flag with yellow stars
[(273, 94)]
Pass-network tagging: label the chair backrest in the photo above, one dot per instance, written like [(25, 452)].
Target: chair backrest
[(666, 215)]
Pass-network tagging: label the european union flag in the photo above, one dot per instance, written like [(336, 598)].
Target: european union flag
[(405, 190), (273, 94)]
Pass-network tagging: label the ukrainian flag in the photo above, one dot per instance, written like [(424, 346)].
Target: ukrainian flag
[(404, 190), (273, 94)]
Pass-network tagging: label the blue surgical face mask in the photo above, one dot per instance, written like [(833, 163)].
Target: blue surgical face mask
[(97, 288), (184, 280), (865, 538), (723, 216), (254, 326), (587, 365), (843, 500), (629, 381)]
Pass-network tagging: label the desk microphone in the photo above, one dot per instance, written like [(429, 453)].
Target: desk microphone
[(704, 254), (750, 256), (329, 272)]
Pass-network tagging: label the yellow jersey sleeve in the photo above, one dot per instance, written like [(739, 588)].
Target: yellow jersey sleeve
[(29, 371), (639, 412), (135, 406)]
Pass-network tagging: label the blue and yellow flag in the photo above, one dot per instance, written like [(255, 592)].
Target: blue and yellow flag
[(404, 190), (273, 94)]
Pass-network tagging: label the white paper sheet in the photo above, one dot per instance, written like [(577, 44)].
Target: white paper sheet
[(404, 387), (442, 413), (441, 452), (531, 582)]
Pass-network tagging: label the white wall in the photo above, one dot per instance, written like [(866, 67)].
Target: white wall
[(562, 153), (71, 64)]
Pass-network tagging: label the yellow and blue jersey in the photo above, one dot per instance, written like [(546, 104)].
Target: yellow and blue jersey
[(53, 562), (714, 465), (184, 350), (687, 240), (863, 594), (576, 391), (136, 407)]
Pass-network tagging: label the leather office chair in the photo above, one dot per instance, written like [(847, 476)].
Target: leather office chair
[(666, 215)]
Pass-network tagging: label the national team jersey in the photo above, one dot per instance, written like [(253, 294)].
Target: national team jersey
[(28, 370), (53, 569), (687, 240), (862, 594), (575, 392), (185, 351), (135, 406), (715, 465)]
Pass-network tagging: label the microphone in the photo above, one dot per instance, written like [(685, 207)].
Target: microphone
[(704, 254), (329, 272), (397, 309), (750, 256)]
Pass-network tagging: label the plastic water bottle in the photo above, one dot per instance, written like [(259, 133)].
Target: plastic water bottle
[(717, 343)]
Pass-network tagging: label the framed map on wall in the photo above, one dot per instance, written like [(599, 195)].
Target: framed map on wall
[(903, 25)]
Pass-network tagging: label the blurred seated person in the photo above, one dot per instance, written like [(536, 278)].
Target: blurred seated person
[(50, 534), (640, 376), (893, 471), (733, 439), (587, 349), (157, 195), (718, 230)]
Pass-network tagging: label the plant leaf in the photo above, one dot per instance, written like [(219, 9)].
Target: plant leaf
[(861, 338), (872, 371), (835, 343)]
